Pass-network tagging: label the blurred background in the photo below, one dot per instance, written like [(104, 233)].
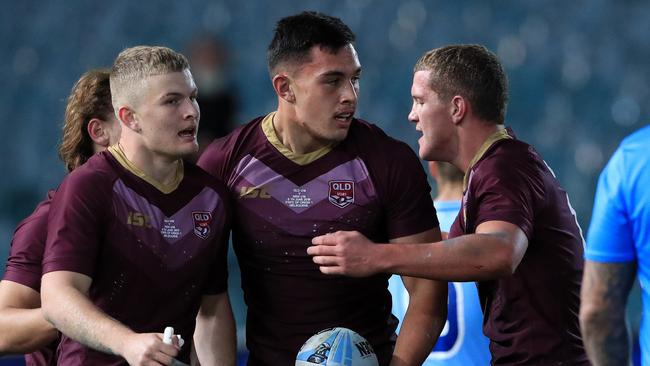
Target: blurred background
[(578, 71)]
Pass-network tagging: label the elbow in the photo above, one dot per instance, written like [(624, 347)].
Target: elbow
[(47, 307), (588, 320), (506, 262), (593, 317)]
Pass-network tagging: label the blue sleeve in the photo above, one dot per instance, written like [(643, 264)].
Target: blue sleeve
[(610, 233)]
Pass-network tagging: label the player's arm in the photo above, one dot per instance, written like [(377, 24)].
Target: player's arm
[(494, 251), (24, 329), (426, 313), (215, 338), (605, 288), (66, 305)]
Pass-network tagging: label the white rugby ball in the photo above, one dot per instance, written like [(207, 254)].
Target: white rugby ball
[(336, 347)]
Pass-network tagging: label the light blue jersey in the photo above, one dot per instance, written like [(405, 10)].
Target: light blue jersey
[(462, 341), (620, 223)]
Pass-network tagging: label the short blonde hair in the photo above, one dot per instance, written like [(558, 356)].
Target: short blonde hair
[(134, 65), (472, 71)]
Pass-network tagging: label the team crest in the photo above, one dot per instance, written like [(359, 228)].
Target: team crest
[(341, 193), (201, 220)]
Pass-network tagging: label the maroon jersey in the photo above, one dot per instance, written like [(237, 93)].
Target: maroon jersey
[(531, 317), (148, 252), (369, 183), (24, 266)]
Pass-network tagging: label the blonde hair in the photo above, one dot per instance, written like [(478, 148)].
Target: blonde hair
[(90, 98), (472, 71), (134, 65)]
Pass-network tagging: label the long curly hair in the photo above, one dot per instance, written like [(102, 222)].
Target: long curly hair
[(90, 98)]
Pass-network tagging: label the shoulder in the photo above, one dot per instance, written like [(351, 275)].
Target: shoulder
[(32, 228), (511, 157), (638, 139), (40, 212), (100, 166), (96, 175), (238, 136), (633, 150), (222, 150), (511, 166), (202, 177)]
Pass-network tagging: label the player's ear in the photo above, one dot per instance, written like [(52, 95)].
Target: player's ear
[(459, 107), (126, 116), (282, 86), (97, 132)]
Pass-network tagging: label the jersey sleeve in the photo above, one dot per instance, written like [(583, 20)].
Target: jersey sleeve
[(27, 246), (408, 203), (507, 188), (610, 234), (75, 221)]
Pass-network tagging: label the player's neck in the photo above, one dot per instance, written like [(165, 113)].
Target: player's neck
[(161, 168), (448, 191), (472, 136), (293, 135)]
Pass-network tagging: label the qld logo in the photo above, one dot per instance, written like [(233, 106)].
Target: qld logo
[(201, 220), (341, 193)]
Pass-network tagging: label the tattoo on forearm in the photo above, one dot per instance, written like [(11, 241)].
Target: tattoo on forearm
[(605, 332)]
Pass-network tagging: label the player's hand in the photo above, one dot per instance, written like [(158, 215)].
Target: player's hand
[(344, 253), (148, 349)]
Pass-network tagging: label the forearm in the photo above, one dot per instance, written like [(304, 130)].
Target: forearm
[(424, 320), (474, 257), (606, 339), (604, 292), (24, 330), (215, 338), (74, 315)]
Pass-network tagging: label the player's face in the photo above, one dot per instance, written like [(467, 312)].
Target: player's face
[(325, 90), (169, 114), (432, 117)]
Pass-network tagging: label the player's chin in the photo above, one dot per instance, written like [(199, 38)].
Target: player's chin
[(339, 134), (188, 148), (425, 152)]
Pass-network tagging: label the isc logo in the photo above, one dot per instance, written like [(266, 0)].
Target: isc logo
[(254, 192), (138, 219)]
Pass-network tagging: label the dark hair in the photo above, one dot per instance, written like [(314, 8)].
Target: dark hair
[(295, 35), (471, 71), (90, 98)]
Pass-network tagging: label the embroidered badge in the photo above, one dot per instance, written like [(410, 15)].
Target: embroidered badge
[(202, 222), (341, 193)]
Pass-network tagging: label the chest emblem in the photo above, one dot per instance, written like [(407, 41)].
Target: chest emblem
[(201, 220), (341, 193)]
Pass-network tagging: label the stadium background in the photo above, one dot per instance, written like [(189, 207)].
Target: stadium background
[(578, 71)]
